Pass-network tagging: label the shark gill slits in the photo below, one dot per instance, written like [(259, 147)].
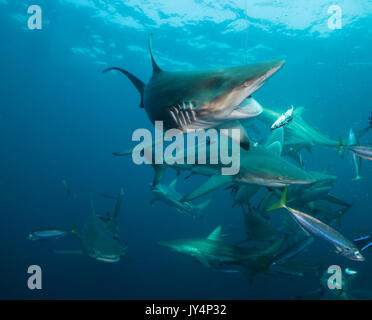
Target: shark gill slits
[(183, 114)]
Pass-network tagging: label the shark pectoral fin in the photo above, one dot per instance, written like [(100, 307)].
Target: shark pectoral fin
[(152, 201), (136, 82), (242, 139), (203, 260), (210, 185), (68, 252)]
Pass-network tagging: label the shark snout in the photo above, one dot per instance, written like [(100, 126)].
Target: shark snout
[(259, 73)]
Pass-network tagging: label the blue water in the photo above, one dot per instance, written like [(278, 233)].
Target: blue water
[(61, 118)]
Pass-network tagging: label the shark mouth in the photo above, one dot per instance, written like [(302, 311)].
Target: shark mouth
[(107, 258), (187, 117), (249, 108)]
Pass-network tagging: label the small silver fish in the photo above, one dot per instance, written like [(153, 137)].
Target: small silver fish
[(284, 119), (350, 272), (50, 234), (312, 225), (363, 151)]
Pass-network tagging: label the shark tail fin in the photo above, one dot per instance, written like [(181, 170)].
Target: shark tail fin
[(136, 82), (282, 201), (155, 67), (74, 231)]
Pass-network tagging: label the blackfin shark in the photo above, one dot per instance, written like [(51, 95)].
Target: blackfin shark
[(261, 166), (213, 252), (169, 195), (202, 99), (98, 241), (304, 195), (299, 134)]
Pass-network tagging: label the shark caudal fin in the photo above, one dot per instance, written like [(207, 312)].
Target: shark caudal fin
[(155, 67), (282, 201), (136, 82)]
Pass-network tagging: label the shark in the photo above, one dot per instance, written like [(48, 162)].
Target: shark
[(261, 166), (98, 241), (202, 99), (169, 195), (298, 134), (306, 196), (213, 252)]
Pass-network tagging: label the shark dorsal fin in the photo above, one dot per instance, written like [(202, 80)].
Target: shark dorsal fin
[(173, 184), (275, 148), (155, 67), (216, 234)]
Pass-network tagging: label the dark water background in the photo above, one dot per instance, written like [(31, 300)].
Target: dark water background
[(60, 118)]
